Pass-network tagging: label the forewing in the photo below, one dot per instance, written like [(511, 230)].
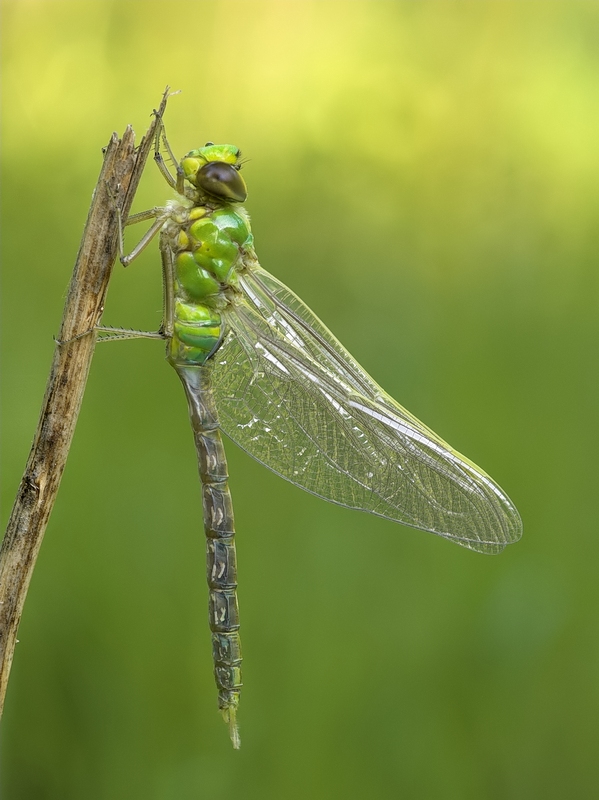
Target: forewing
[(291, 396)]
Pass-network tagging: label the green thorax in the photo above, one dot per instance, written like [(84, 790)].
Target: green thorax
[(208, 236)]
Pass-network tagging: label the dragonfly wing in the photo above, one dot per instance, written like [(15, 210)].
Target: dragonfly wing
[(291, 396)]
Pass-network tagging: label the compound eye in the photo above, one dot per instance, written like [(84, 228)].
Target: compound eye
[(209, 144), (222, 180)]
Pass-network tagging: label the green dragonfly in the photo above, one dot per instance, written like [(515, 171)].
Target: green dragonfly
[(258, 364)]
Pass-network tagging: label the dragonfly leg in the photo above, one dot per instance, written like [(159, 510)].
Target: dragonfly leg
[(166, 326), (175, 183), (145, 240), (142, 216), (160, 215), (168, 289), (114, 334), (157, 213), (126, 333)]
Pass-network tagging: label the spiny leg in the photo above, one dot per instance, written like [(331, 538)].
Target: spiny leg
[(168, 289), (115, 334), (179, 182), (160, 215)]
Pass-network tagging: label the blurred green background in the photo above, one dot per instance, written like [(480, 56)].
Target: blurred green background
[(446, 156)]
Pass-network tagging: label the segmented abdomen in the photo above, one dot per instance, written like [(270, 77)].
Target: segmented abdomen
[(220, 543)]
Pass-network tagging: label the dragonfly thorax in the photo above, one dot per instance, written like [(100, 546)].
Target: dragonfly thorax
[(208, 243)]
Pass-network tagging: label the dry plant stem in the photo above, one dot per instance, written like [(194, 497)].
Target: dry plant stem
[(119, 178)]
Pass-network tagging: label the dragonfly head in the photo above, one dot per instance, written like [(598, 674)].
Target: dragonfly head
[(214, 169)]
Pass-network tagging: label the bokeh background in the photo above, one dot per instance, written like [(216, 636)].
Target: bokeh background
[(426, 176)]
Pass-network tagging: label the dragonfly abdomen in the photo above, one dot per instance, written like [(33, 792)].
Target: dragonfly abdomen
[(219, 526), (221, 571)]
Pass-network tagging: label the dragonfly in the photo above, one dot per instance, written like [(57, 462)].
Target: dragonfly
[(256, 363)]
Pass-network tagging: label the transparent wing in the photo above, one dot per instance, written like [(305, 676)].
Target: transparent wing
[(291, 396)]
